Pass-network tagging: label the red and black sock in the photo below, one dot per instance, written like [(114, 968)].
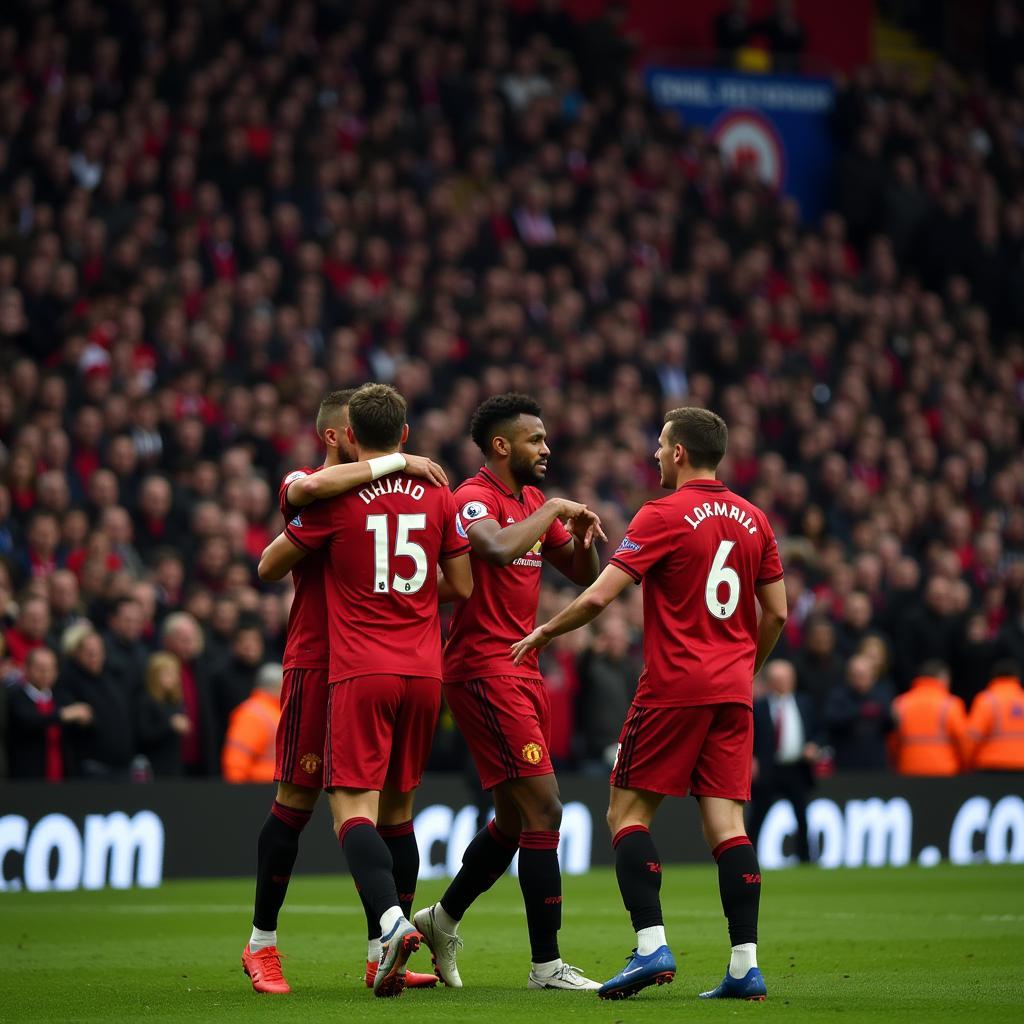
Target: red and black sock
[(405, 857), (276, 852), (486, 859), (739, 882), (369, 860), (638, 869), (541, 881)]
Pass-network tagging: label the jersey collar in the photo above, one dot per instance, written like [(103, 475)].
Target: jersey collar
[(495, 481), (705, 485)]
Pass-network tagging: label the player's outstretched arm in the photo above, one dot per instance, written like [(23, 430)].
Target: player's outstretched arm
[(503, 545), (278, 559), (579, 561), (334, 480), (774, 612), (456, 583), (584, 609)]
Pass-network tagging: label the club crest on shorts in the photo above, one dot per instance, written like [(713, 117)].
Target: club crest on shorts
[(533, 753), (309, 763)]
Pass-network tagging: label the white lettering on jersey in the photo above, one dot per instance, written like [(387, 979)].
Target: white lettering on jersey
[(701, 512), (391, 485)]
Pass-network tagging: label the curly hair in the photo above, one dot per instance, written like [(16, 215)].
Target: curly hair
[(496, 414)]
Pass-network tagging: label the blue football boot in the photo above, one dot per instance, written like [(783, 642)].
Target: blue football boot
[(751, 986), (657, 968)]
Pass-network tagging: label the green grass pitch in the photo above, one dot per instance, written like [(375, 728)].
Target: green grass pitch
[(907, 944)]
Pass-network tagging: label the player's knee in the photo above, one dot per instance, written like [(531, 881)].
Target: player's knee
[(547, 815)]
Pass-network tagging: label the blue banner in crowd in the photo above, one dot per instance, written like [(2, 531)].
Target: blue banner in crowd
[(780, 123)]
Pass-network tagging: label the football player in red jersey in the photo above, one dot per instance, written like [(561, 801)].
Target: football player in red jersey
[(707, 559), (300, 734), (502, 709), (384, 544)]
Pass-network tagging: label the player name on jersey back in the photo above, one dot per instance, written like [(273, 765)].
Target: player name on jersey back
[(384, 543), (701, 552)]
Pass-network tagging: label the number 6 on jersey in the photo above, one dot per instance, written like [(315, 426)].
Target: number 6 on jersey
[(721, 575)]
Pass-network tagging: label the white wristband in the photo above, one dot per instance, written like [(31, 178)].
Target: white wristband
[(385, 464)]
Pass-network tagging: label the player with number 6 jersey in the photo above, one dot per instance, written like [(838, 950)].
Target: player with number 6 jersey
[(707, 558)]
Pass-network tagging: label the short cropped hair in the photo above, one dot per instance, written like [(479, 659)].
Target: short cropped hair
[(494, 416), (331, 405), (376, 413), (701, 432)]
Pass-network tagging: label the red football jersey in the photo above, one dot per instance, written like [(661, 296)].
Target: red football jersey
[(701, 552), (503, 606), (383, 544), (306, 643)]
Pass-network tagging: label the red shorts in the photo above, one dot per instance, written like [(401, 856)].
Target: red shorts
[(380, 728), (506, 722), (303, 725), (706, 751)]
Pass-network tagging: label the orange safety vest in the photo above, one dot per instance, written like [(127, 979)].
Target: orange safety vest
[(931, 727), (996, 726), (249, 747)]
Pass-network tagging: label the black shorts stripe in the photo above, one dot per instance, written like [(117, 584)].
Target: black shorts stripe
[(622, 769), (285, 728), (328, 745), (490, 717), (295, 715)]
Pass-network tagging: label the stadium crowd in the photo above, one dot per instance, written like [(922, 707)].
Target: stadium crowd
[(211, 215)]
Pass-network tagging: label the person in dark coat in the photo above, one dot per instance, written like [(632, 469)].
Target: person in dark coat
[(162, 721), (107, 748), (608, 677), (785, 750), (126, 653), (859, 716), (41, 727), (233, 680)]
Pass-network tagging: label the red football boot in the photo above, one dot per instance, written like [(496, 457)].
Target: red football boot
[(264, 968), (412, 979)]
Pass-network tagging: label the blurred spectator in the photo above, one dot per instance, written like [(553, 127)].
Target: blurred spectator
[(41, 726), (65, 604), (930, 726), (785, 36), (995, 726), (930, 631), (182, 637), (858, 717), (29, 630), (733, 29), (162, 718), (818, 665), (126, 653), (608, 671), (785, 750), (249, 752), (233, 680), (104, 750)]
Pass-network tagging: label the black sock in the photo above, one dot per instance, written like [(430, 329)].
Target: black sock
[(638, 869), (486, 859), (541, 881), (369, 860), (277, 849), (405, 856), (739, 881)]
